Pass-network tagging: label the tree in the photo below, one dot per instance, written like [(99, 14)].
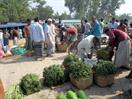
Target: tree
[(124, 16), (43, 12), (88, 8), (19, 10), (77, 7), (14, 9), (56, 15), (63, 16)]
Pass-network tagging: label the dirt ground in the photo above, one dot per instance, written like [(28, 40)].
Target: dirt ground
[(14, 68)]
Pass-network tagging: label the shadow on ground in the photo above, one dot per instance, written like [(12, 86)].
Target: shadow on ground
[(114, 91), (16, 59)]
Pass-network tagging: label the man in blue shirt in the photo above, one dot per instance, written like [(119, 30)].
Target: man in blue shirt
[(96, 29)]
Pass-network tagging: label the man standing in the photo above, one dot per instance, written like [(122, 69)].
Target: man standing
[(15, 36), (113, 24), (102, 25), (27, 35), (60, 24), (96, 29), (37, 37), (1, 38), (87, 27), (50, 40), (82, 31)]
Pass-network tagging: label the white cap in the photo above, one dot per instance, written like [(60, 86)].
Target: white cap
[(50, 19)]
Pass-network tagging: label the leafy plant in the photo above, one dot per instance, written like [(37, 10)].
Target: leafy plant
[(68, 61), (14, 92), (105, 68), (103, 54), (53, 75), (80, 70), (30, 83), (70, 58)]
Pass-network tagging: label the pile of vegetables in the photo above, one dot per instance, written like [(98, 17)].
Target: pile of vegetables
[(30, 83), (105, 68), (103, 54), (14, 92), (70, 59), (53, 75), (73, 95), (80, 70)]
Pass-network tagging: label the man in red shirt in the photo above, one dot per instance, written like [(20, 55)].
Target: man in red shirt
[(71, 35), (121, 41)]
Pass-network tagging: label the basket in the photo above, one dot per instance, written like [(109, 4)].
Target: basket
[(62, 47), (29, 53), (82, 83), (104, 81), (8, 54)]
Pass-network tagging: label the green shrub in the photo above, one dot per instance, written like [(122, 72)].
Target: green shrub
[(105, 68), (103, 54), (80, 70), (70, 58), (53, 75), (14, 92), (30, 83)]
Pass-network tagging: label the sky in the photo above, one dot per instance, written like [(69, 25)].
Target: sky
[(125, 8), (58, 6)]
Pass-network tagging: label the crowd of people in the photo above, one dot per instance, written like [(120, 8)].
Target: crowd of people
[(42, 38), (119, 40)]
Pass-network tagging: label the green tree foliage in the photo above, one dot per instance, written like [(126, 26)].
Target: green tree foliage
[(87, 8), (19, 10), (43, 12), (124, 16), (64, 15), (14, 10)]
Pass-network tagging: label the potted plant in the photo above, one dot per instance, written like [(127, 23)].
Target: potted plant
[(1, 90), (81, 75), (104, 73), (68, 61)]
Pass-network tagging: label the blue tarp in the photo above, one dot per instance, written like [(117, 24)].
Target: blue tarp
[(12, 25), (71, 21)]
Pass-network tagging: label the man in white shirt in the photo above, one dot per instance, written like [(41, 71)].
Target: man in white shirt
[(113, 24), (87, 27), (50, 40), (86, 46), (37, 37), (1, 38)]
